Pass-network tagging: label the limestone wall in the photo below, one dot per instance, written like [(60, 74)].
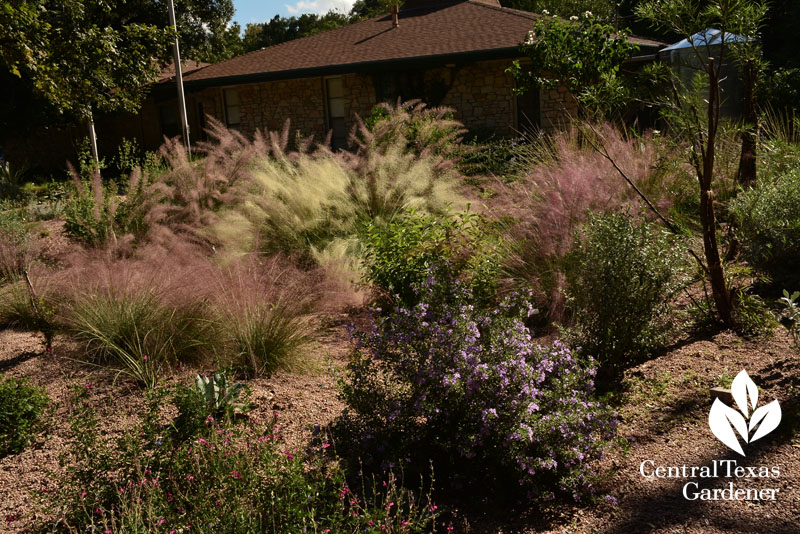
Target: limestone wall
[(269, 104)]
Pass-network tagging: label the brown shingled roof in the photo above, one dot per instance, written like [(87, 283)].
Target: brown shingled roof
[(449, 29)]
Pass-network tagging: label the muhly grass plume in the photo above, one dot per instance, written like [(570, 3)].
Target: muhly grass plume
[(139, 314), (159, 307), (554, 198), (269, 307)]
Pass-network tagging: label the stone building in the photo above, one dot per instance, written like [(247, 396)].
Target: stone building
[(446, 52)]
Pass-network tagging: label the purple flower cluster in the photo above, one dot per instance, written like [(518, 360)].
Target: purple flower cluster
[(444, 380)]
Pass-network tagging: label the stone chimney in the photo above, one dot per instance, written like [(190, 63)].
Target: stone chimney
[(395, 16)]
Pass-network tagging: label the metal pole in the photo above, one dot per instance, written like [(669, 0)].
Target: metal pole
[(179, 77), (92, 138)]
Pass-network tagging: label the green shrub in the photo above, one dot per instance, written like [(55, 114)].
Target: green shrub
[(138, 333), (21, 407), (230, 478), (768, 217), (620, 282), (95, 213), (471, 391), (399, 253)]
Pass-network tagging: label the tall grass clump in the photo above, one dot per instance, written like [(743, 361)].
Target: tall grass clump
[(768, 217), (557, 195), (620, 286), (142, 313), (17, 250), (268, 307), (303, 202), (138, 334)]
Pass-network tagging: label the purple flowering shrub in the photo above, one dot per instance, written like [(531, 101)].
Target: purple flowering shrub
[(470, 391)]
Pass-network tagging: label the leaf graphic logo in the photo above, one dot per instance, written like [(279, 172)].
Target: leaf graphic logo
[(723, 419)]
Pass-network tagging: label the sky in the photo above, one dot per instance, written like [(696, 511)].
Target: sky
[(249, 11)]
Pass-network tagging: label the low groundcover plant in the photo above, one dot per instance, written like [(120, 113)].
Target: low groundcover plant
[(471, 391), (221, 476)]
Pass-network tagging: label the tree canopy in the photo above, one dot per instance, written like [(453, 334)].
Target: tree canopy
[(97, 54)]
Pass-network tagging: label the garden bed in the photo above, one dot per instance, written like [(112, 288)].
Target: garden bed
[(663, 418)]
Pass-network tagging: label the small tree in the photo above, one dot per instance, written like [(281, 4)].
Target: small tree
[(582, 54), (684, 112)]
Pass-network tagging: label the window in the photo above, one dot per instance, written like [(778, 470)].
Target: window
[(232, 107), (335, 93)]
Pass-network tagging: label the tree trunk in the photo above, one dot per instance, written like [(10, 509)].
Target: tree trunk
[(746, 174), (708, 221)]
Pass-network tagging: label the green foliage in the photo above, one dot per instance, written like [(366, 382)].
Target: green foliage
[(399, 253), (11, 181), (281, 29), (138, 333), (582, 54), (622, 278), (602, 10), (21, 407), (768, 217), (85, 56), (237, 479), (95, 214), (221, 399), (790, 315)]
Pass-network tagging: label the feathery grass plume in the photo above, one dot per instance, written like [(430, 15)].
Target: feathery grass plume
[(190, 192), (268, 307), (556, 196), (301, 202), (141, 313), (424, 130)]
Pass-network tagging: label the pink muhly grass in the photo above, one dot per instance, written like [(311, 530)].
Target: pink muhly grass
[(556, 196)]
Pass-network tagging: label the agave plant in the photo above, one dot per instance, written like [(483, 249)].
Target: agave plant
[(222, 398)]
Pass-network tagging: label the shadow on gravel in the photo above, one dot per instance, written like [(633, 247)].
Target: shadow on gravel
[(22, 357), (668, 510)]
